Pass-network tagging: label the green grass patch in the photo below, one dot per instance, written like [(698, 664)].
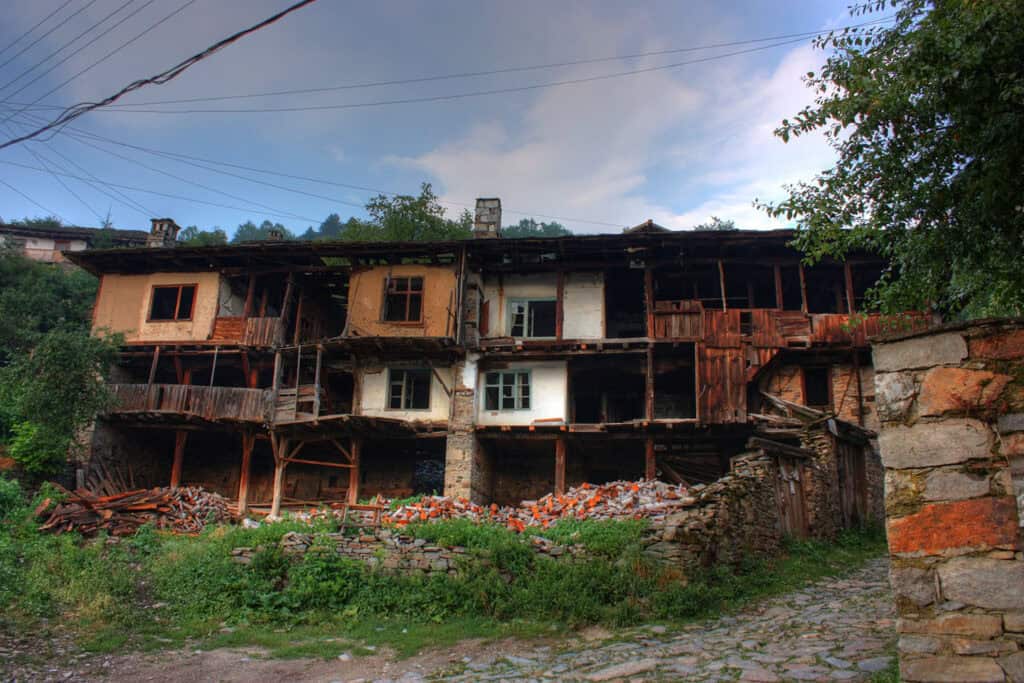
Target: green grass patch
[(156, 590)]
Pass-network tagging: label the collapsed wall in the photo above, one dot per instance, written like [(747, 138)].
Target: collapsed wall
[(951, 403)]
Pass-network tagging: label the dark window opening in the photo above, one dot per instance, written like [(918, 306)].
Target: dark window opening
[(675, 385), (606, 392), (826, 290), (792, 299), (340, 388), (699, 282), (749, 286), (746, 323), (865, 276), (533, 318), (172, 303), (403, 299), (508, 390), (624, 304), (817, 387), (409, 390)]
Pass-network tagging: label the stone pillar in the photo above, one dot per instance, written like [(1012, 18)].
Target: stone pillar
[(951, 404), (466, 466)]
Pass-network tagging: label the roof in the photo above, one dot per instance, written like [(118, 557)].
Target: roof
[(539, 252), (72, 232)]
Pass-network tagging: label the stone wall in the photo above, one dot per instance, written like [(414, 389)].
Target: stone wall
[(951, 403)]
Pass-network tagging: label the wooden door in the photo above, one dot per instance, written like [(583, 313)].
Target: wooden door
[(790, 497), (853, 483)]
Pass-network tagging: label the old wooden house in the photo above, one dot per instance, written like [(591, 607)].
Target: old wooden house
[(282, 373)]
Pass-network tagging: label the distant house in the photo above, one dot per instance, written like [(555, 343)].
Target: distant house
[(48, 244)]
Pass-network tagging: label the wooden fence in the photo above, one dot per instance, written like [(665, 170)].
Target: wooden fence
[(210, 403)]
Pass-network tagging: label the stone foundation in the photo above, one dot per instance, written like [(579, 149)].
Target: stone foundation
[(951, 403)]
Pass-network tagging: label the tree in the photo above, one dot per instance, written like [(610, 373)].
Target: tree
[(716, 223), (407, 218), (528, 227), (926, 116), (250, 232), (194, 237)]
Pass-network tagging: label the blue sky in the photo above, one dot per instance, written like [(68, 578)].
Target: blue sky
[(674, 145)]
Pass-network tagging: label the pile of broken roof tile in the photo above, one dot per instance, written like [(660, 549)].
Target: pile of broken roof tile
[(615, 500)]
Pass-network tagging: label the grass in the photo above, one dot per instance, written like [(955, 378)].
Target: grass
[(157, 591)]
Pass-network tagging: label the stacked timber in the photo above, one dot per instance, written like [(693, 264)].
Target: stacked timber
[(183, 510)]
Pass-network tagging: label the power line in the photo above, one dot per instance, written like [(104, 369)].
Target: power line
[(34, 27), (104, 57), (165, 76), (49, 212), (505, 70), (61, 49), (34, 42)]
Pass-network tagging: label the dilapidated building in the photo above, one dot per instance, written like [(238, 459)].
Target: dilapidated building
[(282, 373)]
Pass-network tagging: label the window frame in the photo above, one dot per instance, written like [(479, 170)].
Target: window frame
[(516, 395), (406, 393), (177, 303), (528, 301), (827, 370), (409, 292)]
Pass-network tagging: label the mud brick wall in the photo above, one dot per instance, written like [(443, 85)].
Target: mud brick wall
[(951, 403)]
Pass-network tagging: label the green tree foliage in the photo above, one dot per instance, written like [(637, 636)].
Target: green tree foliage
[(250, 232), (51, 369), (409, 218), (925, 115), (45, 223), (716, 223), (529, 227), (194, 237)]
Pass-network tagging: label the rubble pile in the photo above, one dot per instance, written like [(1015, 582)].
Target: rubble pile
[(615, 500), (183, 510)]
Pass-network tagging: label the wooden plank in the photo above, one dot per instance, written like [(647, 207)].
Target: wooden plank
[(650, 468), (152, 367), (649, 384), (560, 466), (248, 441), (179, 457), (721, 284), (279, 445), (779, 297), (320, 463), (353, 473), (649, 299), (803, 288), (249, 296), (848, 282)]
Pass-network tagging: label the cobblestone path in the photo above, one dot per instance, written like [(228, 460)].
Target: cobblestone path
[(838, 629)]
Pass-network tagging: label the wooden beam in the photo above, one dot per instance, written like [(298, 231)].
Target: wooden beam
[(803, 288), (316, 379), (560, 465), (848, 282), (650, 469), (279, 445), (721, 284), (248, 441), (213, 366), (298, 315), (560, 305), (152, 366), (353, 473), (250, 293), (778, 287), (671, 473), (321, 463), (649, 384), (649, 299), (179, 457), (344, 451)]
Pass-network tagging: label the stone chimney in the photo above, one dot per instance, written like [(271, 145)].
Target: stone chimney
[(488, 218), (163, 233)]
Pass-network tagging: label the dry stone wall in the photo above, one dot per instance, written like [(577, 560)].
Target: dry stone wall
[(951, 403)]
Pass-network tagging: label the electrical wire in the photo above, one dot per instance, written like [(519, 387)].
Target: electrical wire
[(35, 26), (49, 212), (34, 42)]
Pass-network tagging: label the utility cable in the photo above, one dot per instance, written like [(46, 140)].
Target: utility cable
[(49, 212), (34, 42), (35, 26)]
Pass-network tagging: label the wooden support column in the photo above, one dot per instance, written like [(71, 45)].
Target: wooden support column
[(248, 441), (649, 300), (649, 384), (280, 447), (180, 437), (298, 315), (721, 284), (560, 305), (779, 296), (250, 294), (848, 282), (213, 365), (353, 474), (803, 288), (316, 380), (560, 465), (152, 376), (650, 470)]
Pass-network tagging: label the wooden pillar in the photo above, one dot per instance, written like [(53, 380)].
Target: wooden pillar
[(298, 316), (779, 297), (353, 472), (803, 288), (280, 447), (180, 437), (560, 465), (721, 284), (848, 282), (316, 380), (649, 299), (213, 365), (649, 384), (560, 305), (248, 441), (249, 297), (650, 470)]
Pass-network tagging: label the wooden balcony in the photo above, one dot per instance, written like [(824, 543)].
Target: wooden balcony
[(246, 331), (228, 404)]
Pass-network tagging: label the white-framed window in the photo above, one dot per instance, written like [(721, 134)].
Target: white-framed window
[(409, 389), (507, 390), (532, 318)]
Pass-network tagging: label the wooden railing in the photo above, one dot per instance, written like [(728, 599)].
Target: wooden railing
[(260, 331), (210, 403)]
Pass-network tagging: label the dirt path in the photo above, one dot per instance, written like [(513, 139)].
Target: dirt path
[(838, 629)]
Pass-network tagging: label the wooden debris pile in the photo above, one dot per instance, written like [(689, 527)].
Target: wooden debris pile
[(615, 500), (184, 510)]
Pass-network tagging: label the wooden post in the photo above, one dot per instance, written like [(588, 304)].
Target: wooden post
[(560, 465), (280, 447), (848, 277), (650, 471), (560, 305), (721, 284), (248, 441), (277, 372), (152, 367), (649, 300), (779, 297), (213, 366), (803, 288), (353, 474), (649, 384), (316, 380), (298, 315), (249, 297), (180, 437)]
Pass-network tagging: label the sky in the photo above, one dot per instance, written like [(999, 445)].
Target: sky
[(676, 145)]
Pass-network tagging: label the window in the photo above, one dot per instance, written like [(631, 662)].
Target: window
[(532, 318), (817, 387), (173, 302), (403, 299), (409, 390), (507, 390)]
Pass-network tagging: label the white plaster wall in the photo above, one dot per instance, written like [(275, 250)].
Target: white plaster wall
[(373, 400), (548, 392), (583, 306), (535, 286)]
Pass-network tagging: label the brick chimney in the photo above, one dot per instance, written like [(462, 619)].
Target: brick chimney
[(488, 218), (163, 233)]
